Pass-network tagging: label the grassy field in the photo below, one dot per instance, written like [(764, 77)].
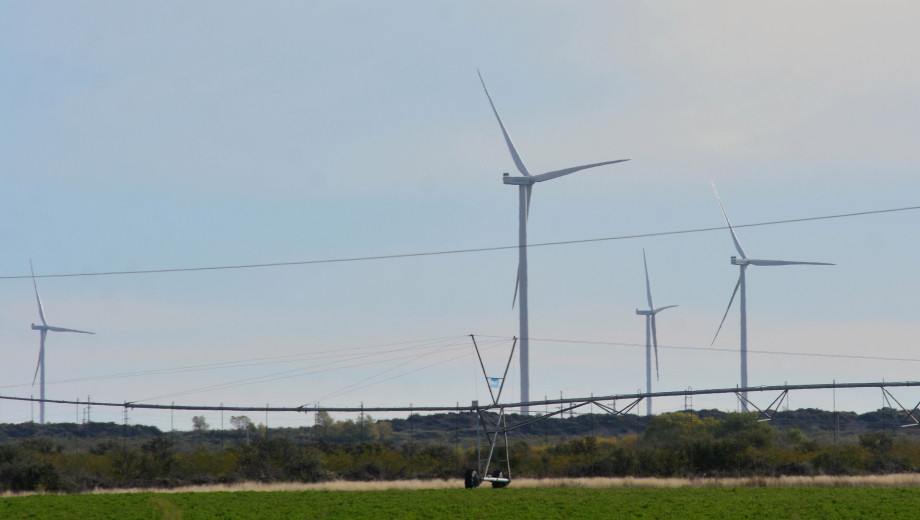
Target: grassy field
[(584, 502)]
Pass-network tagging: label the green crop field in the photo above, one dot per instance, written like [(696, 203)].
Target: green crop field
[(723, 503)]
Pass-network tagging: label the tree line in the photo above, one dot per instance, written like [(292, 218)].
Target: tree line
[(674, 444)]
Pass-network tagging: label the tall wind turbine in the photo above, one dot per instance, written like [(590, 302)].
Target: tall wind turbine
[(43, 329), (743, 264), (651, 336), (525, 186)]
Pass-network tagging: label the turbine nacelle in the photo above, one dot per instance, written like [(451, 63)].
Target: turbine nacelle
[(508, 179)]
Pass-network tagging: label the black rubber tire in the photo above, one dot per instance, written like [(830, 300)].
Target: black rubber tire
[(499, 485), (471, 479)]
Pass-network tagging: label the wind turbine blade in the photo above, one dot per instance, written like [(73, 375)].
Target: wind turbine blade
[(659, 309), (655, 343), (517, 283), (648, 287), (737, 285), (514, 154), (730, 228), (41, 312), (784, 262), (41, 350), (61, 329), (528, 189), (559, 173)]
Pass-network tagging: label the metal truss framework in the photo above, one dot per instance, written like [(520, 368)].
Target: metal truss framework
[(493, 418), (608, 403)]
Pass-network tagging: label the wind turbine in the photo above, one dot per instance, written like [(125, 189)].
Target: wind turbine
[(43, 329), (743, 264), (525, 187), (651, 336)]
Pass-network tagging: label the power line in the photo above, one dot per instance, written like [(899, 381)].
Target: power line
[(368, 381), (353, 357), (344, 353), (347, 360), (354, 386), (718, 349), (454, 251), (300, 372)]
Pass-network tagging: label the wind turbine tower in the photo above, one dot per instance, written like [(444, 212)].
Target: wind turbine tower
[(651, 336), (743, 264), (43, 329), (525, 186)]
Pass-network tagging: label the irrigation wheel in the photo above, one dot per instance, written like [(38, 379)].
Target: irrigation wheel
[(499, 474), (471, 479)]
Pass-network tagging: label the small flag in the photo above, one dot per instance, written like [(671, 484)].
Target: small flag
[(494, 381)]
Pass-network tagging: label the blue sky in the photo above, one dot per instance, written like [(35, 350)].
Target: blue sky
[(161, 135)]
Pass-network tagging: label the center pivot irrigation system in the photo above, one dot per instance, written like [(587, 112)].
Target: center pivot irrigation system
[(497, 426), (493, 420)]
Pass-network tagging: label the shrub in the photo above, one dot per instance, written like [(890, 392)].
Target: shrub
[(27, 472)]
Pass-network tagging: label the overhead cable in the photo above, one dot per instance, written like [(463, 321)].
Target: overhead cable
[(452, 251), (344, 354), (730, 350)]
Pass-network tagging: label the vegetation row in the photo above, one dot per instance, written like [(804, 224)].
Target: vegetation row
[(676, 444)]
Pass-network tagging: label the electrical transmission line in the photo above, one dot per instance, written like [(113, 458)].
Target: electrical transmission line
[(337, 352), (300, 372), (455, 251), (353, 357)]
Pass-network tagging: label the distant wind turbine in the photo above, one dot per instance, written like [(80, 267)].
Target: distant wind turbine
[(43, 329), (525, 185), (743, 264), (651, 336)]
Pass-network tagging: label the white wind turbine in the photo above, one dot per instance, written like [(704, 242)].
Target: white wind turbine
[(743, 264), (525, 185), (651, 336), (43, 329)]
